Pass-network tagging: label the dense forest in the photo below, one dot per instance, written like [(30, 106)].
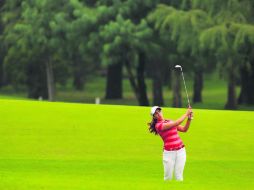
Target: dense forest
[(44, 43)]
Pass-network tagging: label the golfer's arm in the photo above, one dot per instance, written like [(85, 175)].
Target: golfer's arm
[(185, 127), (166, 126)]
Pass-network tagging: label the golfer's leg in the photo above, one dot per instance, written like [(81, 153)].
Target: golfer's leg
[(180, 163), (168, 163)]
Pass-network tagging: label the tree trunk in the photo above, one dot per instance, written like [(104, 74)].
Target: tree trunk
[(247, 86), (167, 76), (157, 91), (177, 97), (231, 97), (114, 82), (79, 81), (157, 85), (132, 80), (50, 80), (243, 97), (143, 100), (79, 78), (36, 81), (198, 86), (1, 56), (1, 71)]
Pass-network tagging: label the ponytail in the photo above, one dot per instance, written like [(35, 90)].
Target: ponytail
[(151, 125)]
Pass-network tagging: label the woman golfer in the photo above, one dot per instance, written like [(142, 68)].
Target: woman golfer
[(174, 155)]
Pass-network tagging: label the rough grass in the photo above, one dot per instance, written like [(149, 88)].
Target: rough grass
[(60, 146)]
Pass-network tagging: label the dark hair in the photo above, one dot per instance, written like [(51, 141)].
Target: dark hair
[(151, 125)]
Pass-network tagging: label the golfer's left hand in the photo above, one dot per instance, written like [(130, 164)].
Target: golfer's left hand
[(188, 112), (190, 115)]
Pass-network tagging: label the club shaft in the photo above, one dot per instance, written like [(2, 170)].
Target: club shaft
[(185, 89)]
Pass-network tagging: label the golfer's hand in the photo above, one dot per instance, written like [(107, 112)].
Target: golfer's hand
[(189, 112), (191, 116)]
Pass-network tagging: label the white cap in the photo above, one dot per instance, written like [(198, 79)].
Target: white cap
[(153, 109)]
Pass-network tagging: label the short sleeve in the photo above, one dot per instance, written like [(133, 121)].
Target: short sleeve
[(158, 126)]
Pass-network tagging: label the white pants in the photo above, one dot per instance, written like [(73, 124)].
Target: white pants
[(174, 161)]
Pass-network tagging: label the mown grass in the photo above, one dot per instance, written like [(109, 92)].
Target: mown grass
[(59, 146)]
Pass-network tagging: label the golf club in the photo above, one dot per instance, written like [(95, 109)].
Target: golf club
[(179, 66)]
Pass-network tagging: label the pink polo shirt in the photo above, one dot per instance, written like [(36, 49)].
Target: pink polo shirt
[(170, 137)]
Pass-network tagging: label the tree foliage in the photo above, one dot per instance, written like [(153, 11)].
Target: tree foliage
[(44, 43)]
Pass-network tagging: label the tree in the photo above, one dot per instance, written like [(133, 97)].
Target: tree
[(10, 15), (1, 46), (156, 55), (122, 41), (114, 70), (35, 39), (82, 22), (10, 12), (227, 35), (247, 76), (183, 27), (134, 11), (247, 70)]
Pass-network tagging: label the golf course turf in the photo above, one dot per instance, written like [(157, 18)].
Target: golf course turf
[(60, 146)]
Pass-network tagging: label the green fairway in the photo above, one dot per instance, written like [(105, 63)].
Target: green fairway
[(60, 146)]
